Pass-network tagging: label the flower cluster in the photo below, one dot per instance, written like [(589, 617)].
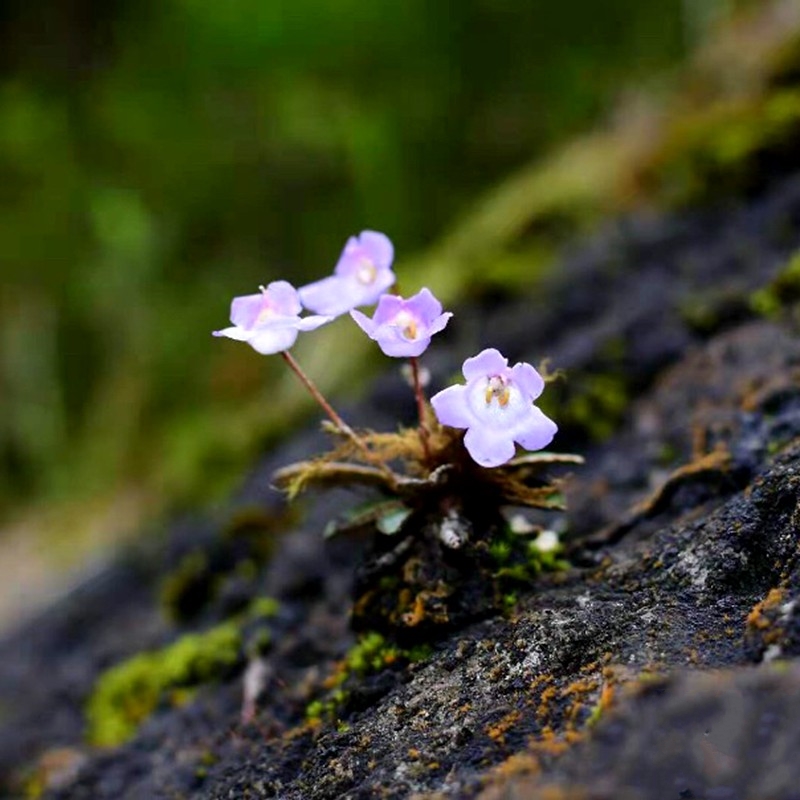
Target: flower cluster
[(495, 407)]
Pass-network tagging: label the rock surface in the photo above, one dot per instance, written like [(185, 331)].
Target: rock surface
[(660, 665)]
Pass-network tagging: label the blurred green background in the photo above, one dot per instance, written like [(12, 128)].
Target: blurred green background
[(158, 157)]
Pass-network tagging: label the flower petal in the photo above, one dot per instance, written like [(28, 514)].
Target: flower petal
[(273, 340), (329, 296), (311, 323), (487, 362), (245, 309), (389, 306), (528, 379), (537, 431), (398, 346), (283, 298), (364, 322), (440, 323), (424, 305), (489, 447), (378, 247), (369, 295), (239, 334), (451, 408)]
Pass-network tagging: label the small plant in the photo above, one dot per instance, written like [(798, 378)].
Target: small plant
[(460, 465)]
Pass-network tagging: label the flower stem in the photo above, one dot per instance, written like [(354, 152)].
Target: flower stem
[(317, 395), (331, 412), (424, 433)]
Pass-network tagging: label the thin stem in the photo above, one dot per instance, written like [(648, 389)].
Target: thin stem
[(331, 412), (424, 433), (317, 395)]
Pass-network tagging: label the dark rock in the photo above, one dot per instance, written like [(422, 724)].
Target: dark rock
[(638, 674)]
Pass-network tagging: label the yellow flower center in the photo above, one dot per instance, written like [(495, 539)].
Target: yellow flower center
[(407, 324), (497, 387)]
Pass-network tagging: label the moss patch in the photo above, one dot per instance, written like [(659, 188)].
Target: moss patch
[(593, 403), (781, 292), (718, 152), (126, 694), (371, 654), (519, 560)]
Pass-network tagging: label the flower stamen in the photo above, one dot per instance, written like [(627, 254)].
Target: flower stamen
[(407, 325), (497, 387)]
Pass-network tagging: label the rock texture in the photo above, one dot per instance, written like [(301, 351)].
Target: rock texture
[(660, 665)]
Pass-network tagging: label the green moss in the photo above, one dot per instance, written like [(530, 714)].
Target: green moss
[(709, 310), (599, 405), (593, 402), (715, 152), (596, 714), (519, 560), (510, 600), (369, 655), (34, 786), (318, 710), (783, 291), (263, 608), (126, 694), (500, 550)]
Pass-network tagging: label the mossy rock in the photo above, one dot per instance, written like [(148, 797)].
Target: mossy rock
[(722, 151), (128, 693), (781, 292)]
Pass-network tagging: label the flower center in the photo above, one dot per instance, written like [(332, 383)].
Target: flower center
[(366, 272), (407, 325), (497, 387), (266, 311)]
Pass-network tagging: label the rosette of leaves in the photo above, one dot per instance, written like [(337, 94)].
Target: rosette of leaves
[(396, 465)]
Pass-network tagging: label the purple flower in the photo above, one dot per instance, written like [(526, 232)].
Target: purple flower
[(362, 275), (403, 328), (496, 407), (270, 321)]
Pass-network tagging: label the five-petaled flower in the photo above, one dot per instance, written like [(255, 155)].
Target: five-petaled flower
[(270, 321), (403, 328), (496, 407), (361, 276)]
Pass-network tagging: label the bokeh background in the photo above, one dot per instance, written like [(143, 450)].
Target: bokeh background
[(157, 158)]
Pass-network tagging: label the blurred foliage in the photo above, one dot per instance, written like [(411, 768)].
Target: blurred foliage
[(158, 157)]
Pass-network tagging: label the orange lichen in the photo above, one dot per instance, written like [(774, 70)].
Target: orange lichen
[(417, 613), (539, 680), (517, 764), (548, 743), (579, 690), (544, 701), (424, 606), (497, 732), (757, 618), (607, 696)]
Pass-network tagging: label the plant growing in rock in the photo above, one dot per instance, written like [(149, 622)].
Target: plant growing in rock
[(444, 483)]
